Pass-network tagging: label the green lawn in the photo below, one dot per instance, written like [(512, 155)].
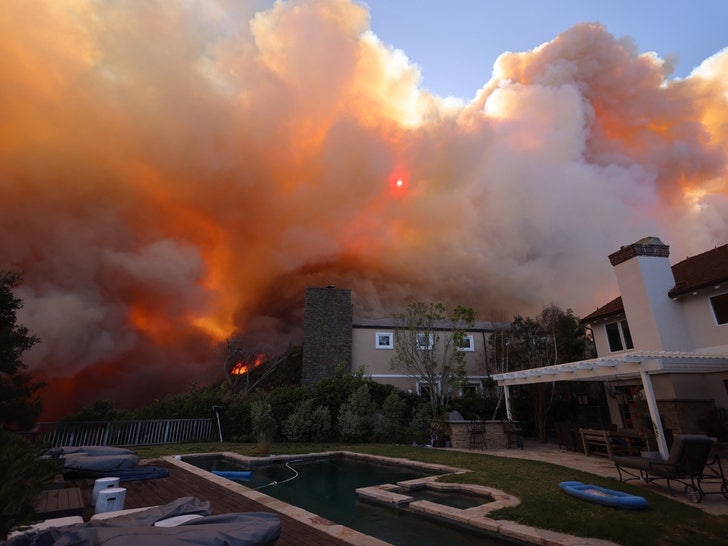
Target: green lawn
[(666, 522)]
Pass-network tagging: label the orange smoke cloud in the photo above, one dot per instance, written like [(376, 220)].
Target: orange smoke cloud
[(162, 195)]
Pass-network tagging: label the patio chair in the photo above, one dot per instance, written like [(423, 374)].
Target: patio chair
[(685, 464), (476, 433)]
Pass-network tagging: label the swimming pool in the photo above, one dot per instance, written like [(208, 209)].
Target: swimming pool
[(328, 487)]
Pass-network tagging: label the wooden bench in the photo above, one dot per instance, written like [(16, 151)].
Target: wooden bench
[(596, 441), (58, 503)]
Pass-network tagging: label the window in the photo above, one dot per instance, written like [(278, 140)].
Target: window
[(619, 336), (467, 343), (425, 341), (720, 308), (426, 389), (385, 340), (470, 389)]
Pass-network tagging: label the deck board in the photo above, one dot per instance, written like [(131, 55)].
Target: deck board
[(181, 483), (59, 503)]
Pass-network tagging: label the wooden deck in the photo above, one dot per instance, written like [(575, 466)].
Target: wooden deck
[(181, 483), (60, 503)]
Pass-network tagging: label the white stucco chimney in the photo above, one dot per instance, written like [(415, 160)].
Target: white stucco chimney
[(644, 277)]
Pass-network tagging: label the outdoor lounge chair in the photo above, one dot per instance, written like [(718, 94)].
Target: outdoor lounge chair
[(143, 528), (685, 464)]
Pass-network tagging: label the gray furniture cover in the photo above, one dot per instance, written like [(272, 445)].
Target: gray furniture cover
[(137, 529), (96, 458)]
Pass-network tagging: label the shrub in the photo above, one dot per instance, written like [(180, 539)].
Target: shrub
[(285, 401), (321, 424), (263, 425), (297, 426), (356, 416), (21, 477), (389, 422), (419, 425), (307, 423)]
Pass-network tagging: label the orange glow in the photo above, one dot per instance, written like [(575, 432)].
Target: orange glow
[(241, 368), (162, 200), (398, 182)]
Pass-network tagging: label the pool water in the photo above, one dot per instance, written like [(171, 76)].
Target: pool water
[(327, 487), (456, 500)]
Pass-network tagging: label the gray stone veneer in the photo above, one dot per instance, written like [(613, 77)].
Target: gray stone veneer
[(327, 318)]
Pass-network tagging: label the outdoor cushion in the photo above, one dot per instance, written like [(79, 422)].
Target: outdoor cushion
[(237, 529)]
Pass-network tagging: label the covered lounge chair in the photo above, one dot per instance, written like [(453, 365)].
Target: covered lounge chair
[(685, 464), (142, 529), (82, 462)]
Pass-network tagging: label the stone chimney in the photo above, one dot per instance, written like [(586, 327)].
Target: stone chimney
[(644, 277), (327, 334)]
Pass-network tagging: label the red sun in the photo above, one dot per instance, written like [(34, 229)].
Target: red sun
[(397, 183)]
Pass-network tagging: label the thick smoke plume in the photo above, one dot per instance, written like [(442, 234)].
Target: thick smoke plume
[(173, 174)]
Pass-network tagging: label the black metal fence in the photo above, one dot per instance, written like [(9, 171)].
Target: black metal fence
[(126, 433)]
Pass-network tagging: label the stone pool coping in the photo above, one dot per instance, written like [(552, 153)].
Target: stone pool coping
[(475, 518)]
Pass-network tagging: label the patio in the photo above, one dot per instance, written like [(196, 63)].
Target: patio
[(714, 504)]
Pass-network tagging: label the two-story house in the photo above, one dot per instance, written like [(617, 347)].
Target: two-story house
[(334, 337), (373, 346), (663, 341)]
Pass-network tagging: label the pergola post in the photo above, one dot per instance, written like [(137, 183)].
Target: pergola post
[(654, 414), (507, 398)]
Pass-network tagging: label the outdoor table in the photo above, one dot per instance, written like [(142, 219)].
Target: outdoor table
[(633, 440)]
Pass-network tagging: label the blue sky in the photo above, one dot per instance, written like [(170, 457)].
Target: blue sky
[(455, 43)]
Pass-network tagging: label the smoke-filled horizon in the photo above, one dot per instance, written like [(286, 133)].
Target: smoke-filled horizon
[(176, 174)]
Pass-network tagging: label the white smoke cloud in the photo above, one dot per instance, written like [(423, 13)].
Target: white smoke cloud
[(163, 194)]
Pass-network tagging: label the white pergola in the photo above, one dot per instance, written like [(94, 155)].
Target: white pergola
[(625, 366)]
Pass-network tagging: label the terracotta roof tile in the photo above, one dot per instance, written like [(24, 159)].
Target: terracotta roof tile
[(699, 271), (612, 308), (694, 273)]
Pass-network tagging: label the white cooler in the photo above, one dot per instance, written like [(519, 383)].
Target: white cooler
[(110, 500), (103, 483)]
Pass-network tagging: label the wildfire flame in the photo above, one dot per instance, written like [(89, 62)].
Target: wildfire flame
[(161, 200), (241, 368)]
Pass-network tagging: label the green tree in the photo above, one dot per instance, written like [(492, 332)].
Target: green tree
[(19, 404), (357, 415), (553, 337), (263, 425), (426, 347), (22, 475)]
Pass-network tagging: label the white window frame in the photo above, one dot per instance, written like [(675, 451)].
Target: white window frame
[(471, 344), (422, 346), (477, 384), (712, 307), (421, 384), (622, 338), (381, 335)]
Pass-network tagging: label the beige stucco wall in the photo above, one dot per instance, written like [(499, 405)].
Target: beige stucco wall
[(599, 331), (655, 321), (377, 362), (707, 335)]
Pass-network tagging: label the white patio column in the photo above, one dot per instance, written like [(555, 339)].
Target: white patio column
[(507, 399), (654, 414)]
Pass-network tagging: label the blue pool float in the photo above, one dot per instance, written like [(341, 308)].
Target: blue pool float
[(604, 496), (233, 474)]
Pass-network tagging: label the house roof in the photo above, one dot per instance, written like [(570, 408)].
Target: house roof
[(707, 269), (622, 366), (612, 308)]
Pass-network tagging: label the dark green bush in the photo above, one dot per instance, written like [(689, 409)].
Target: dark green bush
[(357, 416), (21, 477)]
